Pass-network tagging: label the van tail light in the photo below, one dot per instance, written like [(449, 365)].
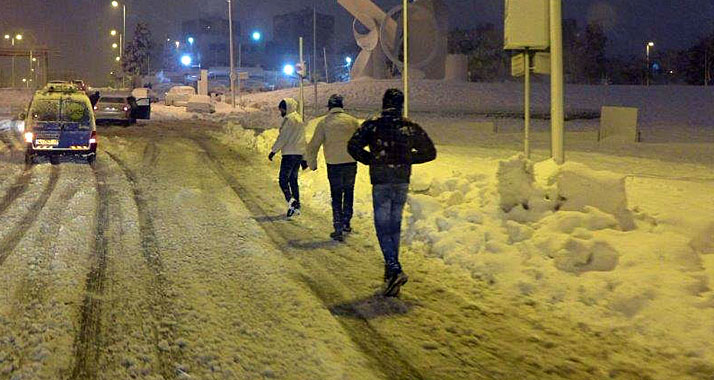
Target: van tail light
[(95, 108), (29, 137), (93, 138), (126, 108)]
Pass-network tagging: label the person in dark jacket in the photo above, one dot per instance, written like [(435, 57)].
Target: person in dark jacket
[(395, 144), (94, 98)]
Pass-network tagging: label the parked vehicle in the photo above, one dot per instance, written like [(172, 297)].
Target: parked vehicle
[(145, 93), (179, 96), (60, 122), (117, 108)]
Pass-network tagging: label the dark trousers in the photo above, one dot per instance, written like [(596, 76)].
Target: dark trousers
[(389, 203), (342, 188), (288, 178)]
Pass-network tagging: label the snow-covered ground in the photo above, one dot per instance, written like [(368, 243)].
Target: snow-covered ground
[(621, 237)]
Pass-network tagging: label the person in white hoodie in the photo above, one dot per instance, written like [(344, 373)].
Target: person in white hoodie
[(334, 132), (291, 144)]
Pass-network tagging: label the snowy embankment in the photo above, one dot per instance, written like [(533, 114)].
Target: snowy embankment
[(607, 249)]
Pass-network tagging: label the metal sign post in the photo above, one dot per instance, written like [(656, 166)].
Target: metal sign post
[(557, 111), (301, 69), (405, 73), (527, 103)]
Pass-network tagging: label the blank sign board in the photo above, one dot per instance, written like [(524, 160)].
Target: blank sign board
[(527, 24), (618, 124)]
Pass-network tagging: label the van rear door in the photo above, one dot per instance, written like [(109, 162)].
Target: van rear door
[(76, 121)]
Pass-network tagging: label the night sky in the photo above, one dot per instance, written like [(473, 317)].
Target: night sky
[(79, 28)]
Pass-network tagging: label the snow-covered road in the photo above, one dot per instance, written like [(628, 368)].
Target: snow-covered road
[(170, 260)]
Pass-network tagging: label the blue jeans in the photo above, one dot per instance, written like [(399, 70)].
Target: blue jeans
[(389, 200), (342, 188), (288, 178)]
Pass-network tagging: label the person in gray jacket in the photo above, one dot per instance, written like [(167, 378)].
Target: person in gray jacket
[(291, 144), (334, 132)]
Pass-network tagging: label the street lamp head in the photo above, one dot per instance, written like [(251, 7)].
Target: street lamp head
[(348, 60), (115, 45), (257, 36), (117, 59), (191, 40), (18, 37), (7, 36), (650, 44), (178, 44), (186, 60), (289, 70), (113, 32), (34, 59), (115, 4)]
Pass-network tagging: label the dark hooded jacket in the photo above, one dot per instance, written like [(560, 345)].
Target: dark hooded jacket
[(395, 144)]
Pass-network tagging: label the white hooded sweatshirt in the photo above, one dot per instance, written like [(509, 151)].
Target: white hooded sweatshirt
[(291, 140)]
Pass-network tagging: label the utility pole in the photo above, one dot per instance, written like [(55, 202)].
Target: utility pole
[(557, 111), (233, 73), (313, 61)]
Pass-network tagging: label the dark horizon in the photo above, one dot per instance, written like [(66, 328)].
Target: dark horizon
[(83, 41)]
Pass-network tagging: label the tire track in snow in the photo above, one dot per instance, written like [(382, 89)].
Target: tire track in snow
[(380, 350), (8, 244), (17, 189), (150, 155), (87, 341), (161, 299)]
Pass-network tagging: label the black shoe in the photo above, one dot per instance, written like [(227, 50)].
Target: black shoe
[(347, 228), (394, 284), (337, 236), (293, 208)]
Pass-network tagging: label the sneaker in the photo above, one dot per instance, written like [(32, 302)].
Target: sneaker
[(292, 210), (337, 236), (394, 284)]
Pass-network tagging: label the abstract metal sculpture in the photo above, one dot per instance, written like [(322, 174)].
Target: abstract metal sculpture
[(383, 41)]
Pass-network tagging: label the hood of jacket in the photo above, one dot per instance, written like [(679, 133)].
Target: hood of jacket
[(292, 105)]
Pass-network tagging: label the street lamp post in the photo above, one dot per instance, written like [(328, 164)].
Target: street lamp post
[(232, 75), (649, 46), (115, 4), (17, 37)]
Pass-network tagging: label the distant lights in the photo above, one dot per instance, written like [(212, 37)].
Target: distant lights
[(191, 40), (650, 44), (115, 45), (18, 37), (256, 36), (178, 44), (113, 32), (115, 4), (7, 36), (348, 60), (186, 60), (117, 59)]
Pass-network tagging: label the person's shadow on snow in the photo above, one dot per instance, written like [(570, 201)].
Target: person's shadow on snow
[(374, 306), (312, 244), (270, 218)]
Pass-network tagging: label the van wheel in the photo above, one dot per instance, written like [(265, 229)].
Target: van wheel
[(54, 159)]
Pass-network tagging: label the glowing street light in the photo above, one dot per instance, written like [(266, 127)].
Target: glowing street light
[(115, 45), (191, 40), (348, 60), (186, 60), (649, 46), (115, 4), (117, 59), (256, 36), (289, 70), (18, 37), (113, 32), (178, 44), (7, 36)]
